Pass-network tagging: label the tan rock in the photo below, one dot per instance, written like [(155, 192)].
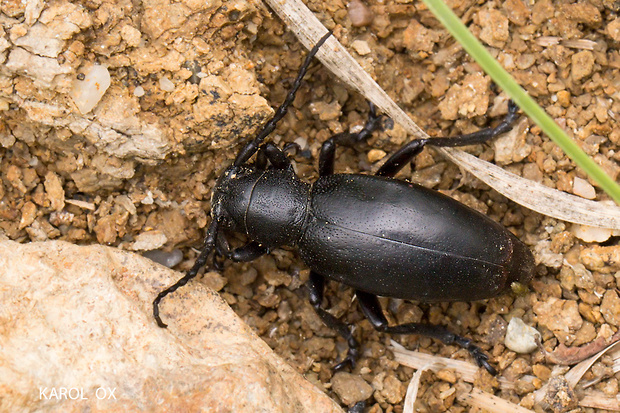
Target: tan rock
[(77, 333)]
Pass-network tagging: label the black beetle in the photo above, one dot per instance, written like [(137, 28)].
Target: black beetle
[(376, 234)]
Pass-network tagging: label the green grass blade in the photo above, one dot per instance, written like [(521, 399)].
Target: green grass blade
[(454, 25)]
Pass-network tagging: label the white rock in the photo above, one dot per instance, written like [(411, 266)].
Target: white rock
[(56, 24), (4, 43), (582, 188), (520, 337), (592, 234), (33, 11), (138, 91), (166, 84), (150, 240), (88, 92)]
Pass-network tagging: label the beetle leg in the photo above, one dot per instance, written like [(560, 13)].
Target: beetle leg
[(248, 150), (372, 310), (261, 160), (316, 285), (292, 147), (328, 149), (218, 261), (405, 154), (221, 249), (275, 155), (247, 252), (209, 245), (400, 158), (327, 154), (482, 135)]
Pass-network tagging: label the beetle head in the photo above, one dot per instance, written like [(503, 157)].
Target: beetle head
[(231, 196)]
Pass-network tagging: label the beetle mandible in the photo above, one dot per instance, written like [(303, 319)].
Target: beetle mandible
[(379, 235)]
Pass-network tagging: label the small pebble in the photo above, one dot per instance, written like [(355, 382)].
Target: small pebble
[(138, 91), (375, 155), (613, 29), (520, 337), (302, 142), (326, 111), (29, 213), (148, 199), (88, 92), (592, 234), (610, 308), (351, 388), (560, 395), (582, 188), (541, 371), (582, 64), (361, 47), (166, 84), (169, 259), (393, 389), (131, 35), (563, 97), (150, 240), (560, 316), (447, 375), (54, 190), (359, 14), (214, 280)]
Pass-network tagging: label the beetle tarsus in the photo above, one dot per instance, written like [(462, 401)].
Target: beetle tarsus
[(374, 123), (371, 308), (480, 136), (345, 332), (349, 361), (482, 359), (409, 151)]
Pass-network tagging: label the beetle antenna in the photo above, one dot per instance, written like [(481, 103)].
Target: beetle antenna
[(251, 148), (208, 245)]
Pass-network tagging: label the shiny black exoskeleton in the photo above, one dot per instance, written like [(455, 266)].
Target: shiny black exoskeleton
[(381, 236)]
